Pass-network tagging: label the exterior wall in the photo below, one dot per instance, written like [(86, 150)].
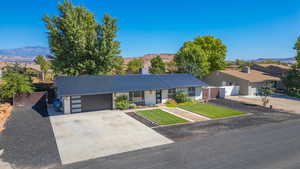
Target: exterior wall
[(244, 88), (75, 102), (218, 79), (198, 92), (184, 90), (150, 97), (164, 96), (67, 104), (253, 88), (229, 91)]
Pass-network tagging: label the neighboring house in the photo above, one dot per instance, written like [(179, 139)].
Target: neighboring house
[(273, 69), (248, 80), (98, 92)]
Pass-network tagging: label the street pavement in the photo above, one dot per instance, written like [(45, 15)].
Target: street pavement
[(265, 139), (271, 146)]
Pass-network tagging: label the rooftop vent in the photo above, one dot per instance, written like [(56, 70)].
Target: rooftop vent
[(144, 71)]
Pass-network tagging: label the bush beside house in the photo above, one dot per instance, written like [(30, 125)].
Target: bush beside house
[(181, 97), (123, 103)]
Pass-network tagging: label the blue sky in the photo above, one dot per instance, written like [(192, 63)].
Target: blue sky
[(250, 29)]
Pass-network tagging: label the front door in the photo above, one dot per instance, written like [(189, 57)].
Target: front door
[(158, 96)]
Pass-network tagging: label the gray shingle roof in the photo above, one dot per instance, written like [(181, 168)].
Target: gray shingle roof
[(101, 84)]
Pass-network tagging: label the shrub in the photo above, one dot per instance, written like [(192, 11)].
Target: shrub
[(181, 97), (122, 102), (264, 92), (171, 103), (294, 93), (132, 106)]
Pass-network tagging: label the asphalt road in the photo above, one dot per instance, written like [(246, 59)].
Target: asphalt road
[(270, 146), (268, 140), (28, 141)]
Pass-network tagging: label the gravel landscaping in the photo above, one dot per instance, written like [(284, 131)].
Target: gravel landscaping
[(28, 140)]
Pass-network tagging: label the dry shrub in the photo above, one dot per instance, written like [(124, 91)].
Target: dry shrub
[(5, 111)]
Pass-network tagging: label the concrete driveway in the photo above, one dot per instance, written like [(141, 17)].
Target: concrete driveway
[(90, 135)]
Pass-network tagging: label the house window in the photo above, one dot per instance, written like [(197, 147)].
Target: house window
[(171, 93), (136, 97), (192, 91)]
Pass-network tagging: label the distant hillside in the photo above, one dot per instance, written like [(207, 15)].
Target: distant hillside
[(166, 57), (20, 54), (283, 60)]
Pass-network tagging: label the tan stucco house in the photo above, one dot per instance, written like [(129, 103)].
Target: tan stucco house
[(277, 70), (248, 80)]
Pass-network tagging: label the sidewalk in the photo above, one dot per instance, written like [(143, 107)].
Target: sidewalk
[(184, 114)]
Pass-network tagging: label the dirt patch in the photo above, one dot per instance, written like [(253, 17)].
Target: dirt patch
[(283, 104), (5, 112)]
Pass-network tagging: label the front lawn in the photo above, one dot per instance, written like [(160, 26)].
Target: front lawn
[(161, 117), (210, 110)]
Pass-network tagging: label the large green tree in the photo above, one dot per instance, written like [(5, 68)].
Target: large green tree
[(79, 44), (157, 66), (44, 65), (134, 66), (292, 79), (297, 48), (215, 51), (119, 67), (201, 56), (192, 59), (171, 67), (15, 83)]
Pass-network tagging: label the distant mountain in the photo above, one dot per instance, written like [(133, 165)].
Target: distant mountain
[(20, 54), (283, 60), (166, 57)]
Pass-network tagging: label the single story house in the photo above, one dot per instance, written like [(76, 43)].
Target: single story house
[(277, 70), (248, 80), (98, 92)]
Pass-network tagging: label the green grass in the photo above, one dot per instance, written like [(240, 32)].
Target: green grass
[(211, 110), (161, 117), (171, 105)]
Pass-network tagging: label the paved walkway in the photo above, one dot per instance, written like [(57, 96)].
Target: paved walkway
[(184, 114)]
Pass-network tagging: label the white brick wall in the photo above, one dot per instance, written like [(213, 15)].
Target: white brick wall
[(67, 105), (150, 97), (199, 94)]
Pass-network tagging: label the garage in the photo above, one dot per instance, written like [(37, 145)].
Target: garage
[(96, 102)]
